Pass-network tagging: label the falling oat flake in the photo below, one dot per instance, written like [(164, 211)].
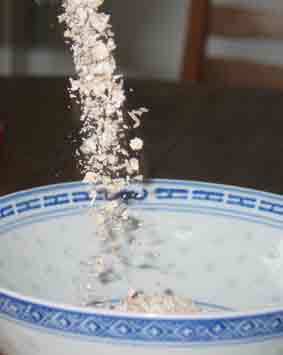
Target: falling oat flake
[(108, 152)]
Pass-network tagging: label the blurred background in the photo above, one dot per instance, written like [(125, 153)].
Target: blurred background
[(150, 34), (206, 69)]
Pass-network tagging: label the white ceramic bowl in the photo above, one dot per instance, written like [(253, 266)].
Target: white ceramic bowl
[(221, 245)]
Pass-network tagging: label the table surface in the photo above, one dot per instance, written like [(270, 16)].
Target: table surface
[(229, 136)]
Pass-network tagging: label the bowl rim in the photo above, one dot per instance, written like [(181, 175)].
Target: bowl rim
[(180, 182), (61, 306)]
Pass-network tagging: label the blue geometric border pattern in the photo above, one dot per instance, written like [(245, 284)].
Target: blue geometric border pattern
[(186, 332), (237, 202)]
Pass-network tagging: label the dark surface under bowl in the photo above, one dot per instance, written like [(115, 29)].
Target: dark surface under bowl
[(229, 136)]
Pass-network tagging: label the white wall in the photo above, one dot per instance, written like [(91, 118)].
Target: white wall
[(150, 37), (5, 61)]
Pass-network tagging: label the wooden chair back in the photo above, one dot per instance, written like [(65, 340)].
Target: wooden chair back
[(231, 22)]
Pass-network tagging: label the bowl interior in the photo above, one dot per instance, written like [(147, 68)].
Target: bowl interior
[(226, 259)]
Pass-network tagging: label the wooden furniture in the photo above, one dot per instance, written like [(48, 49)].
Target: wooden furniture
[(230, 22)]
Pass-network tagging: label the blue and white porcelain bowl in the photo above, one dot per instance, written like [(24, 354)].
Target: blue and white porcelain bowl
[(220, 245)]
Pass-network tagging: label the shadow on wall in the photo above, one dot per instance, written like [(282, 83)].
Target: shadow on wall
[(149, 35)]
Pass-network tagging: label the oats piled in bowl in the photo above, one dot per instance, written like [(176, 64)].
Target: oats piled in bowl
[(167, 304)]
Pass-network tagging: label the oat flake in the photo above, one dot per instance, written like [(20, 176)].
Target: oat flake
[(106, 150)]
